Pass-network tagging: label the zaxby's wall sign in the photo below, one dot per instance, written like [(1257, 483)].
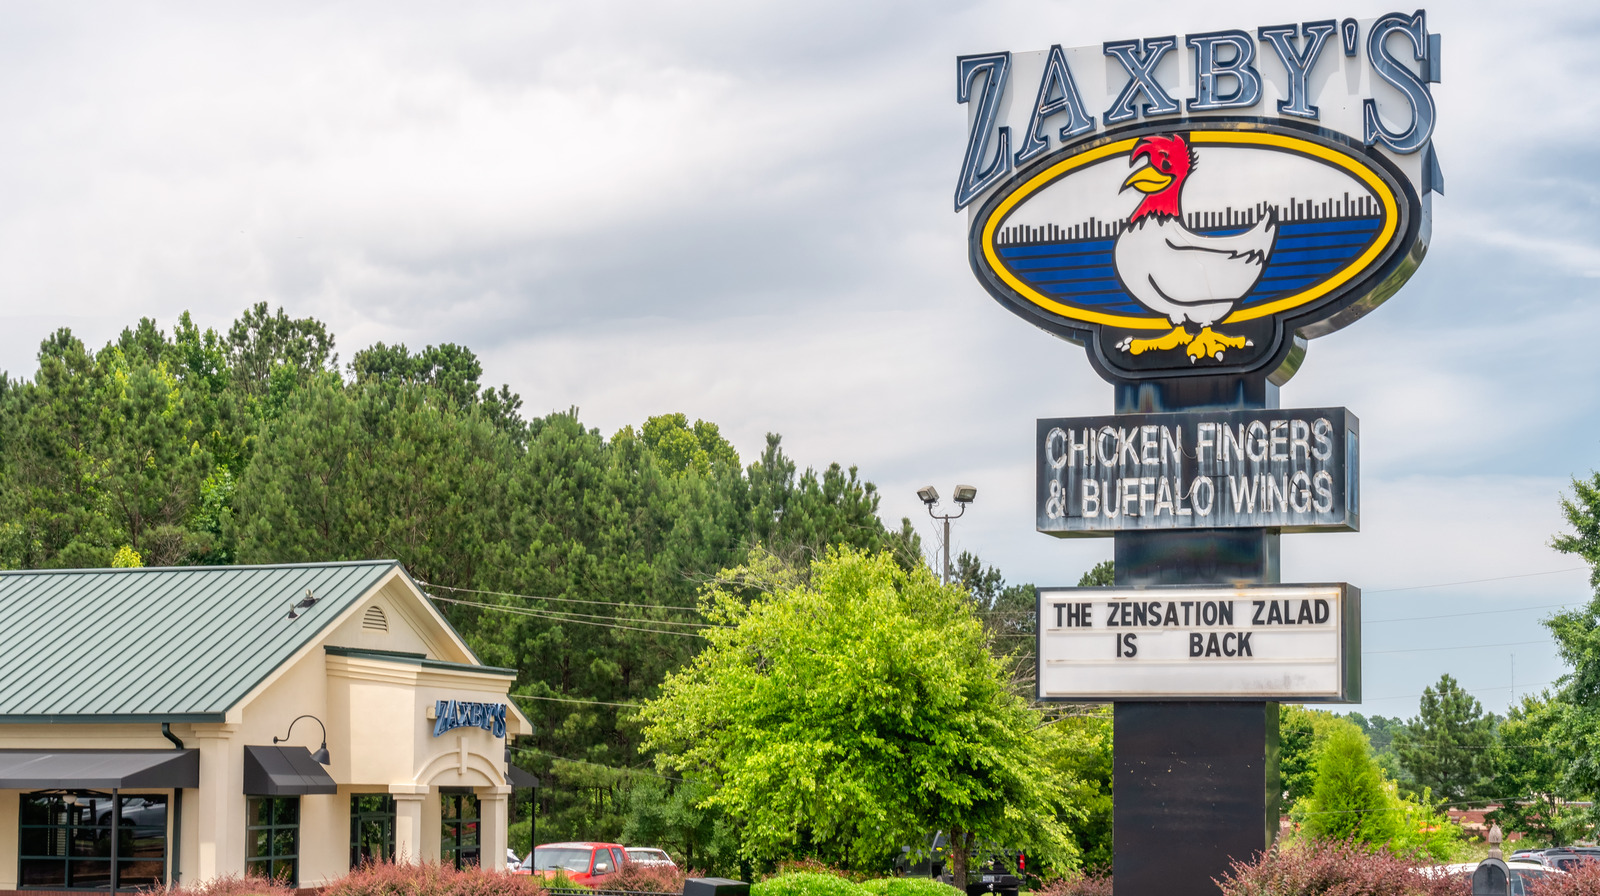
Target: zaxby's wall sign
[(1290, 642), (1291, 470), (1204, 210), (451, 714)]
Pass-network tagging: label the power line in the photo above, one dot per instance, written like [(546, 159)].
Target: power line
[(567, 614), (1462, 647), (520, 611), (1474, 691), (630, 770), (1520, 575), (1474, 613), (573, 700), (564, 600)]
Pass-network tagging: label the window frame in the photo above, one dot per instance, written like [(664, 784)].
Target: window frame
[(386, 816), (71, 834), (450, 826), (272, 828)]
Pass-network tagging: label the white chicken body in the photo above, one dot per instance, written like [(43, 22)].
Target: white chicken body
[(1191, 278)]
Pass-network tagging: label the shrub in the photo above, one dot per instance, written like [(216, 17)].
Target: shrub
[(647, 879), (228, 886), (559, 880), (1315, 868), (1077, 884), (817, 866), (806, 883), (909, 886), (1583, 880), (428, 879)]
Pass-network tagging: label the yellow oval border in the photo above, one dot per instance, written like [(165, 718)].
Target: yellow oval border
[(1391, 222)]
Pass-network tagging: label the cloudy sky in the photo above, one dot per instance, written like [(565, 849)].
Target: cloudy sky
[(741, 211)]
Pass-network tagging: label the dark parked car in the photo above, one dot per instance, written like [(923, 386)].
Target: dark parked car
[(989, 870)]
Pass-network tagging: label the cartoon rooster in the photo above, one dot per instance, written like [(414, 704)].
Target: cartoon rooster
[(1172, 270)]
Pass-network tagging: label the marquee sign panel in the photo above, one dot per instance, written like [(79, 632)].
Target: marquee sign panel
[(1300, 643)]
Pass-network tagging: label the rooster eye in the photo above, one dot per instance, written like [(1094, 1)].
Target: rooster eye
[(1166, 165)]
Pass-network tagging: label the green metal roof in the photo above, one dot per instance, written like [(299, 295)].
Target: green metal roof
[(176, 644)]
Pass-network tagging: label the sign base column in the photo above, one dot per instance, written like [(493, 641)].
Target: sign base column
[(1193, 787)]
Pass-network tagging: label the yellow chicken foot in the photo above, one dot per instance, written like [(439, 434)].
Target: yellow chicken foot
[(1208, 343), (1178, 336)]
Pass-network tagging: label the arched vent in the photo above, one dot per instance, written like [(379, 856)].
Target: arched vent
[(374, 620)]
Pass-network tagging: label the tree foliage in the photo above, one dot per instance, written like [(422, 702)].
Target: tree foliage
[(1348, 801), (1445, 748), (852, 713)]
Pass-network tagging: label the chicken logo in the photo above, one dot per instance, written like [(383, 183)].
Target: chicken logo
[(1199, 247), (1194, 280)]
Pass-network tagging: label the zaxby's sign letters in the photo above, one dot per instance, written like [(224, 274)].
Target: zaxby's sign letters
[(1201, 207)]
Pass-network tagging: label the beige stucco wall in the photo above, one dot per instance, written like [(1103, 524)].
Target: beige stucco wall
[(379, 737)]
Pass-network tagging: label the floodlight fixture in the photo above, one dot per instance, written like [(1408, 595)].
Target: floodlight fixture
[(964, 495)]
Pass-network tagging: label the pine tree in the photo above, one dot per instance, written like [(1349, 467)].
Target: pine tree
[(1349, 800)]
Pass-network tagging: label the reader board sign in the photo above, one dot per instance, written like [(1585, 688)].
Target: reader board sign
[(1300, 643), (1201, 204), (1291, 470)]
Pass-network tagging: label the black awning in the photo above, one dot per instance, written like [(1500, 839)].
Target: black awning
[(98, 769), (520, 778), (284, 771)]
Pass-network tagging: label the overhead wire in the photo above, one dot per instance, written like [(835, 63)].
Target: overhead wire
[(523, 611)]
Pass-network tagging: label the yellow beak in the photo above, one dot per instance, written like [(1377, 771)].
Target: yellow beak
[(1147, 180)]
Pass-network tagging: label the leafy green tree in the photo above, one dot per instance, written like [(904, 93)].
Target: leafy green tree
[(682, 449), (1445, 748), (260, 342), (667, 813), (365, 472), (854, 713), (1104, 574), (1527, 772), (1582, 511), (1078, 748)]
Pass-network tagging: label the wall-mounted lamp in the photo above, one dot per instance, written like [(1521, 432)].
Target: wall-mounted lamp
[(321, 755)]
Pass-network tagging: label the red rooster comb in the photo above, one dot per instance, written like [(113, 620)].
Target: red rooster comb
[(1170, 159)]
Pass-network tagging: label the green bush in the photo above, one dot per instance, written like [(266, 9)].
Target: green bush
[(807, 883), (909, 886)]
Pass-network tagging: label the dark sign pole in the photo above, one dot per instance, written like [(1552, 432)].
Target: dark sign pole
[(1195, 783)]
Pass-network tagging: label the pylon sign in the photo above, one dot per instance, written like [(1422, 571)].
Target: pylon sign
[(1202, 212)]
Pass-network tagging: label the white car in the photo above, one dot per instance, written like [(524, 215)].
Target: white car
[(643, 855), (512, 862), (1522, 872)]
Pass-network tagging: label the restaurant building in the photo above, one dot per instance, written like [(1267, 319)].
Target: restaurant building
[(287, 721)]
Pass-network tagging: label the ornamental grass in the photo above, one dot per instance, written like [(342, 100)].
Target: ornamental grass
[(1324, 868), (232, 885), (1584, 880), (1077, 884), (429, 879)]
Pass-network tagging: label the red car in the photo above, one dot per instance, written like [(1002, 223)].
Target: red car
[(584, 863)]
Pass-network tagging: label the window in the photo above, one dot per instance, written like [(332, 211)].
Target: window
[(67, 845), (458, 842), (272, 838), (371, 828)]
